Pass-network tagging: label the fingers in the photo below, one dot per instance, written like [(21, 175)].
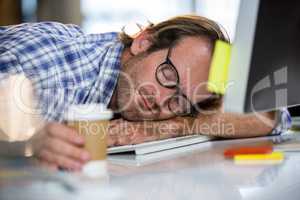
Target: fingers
[(48, 165), (123, 140), (133, 138), (111, 140), (121, 132), (138, 140), (115, 134), (64, 132), (63, 148), (60, 160)]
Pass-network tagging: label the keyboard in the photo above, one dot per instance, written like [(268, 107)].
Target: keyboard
[(160, 145)]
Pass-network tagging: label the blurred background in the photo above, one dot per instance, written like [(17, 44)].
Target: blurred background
[(102, 15)]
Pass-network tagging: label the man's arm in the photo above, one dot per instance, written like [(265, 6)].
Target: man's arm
[(226, 125), (231, 125)]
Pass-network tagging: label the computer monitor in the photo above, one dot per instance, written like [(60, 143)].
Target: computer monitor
[(264, 72)]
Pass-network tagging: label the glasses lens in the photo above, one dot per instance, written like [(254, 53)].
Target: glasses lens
[(179, 105), (167, 75)]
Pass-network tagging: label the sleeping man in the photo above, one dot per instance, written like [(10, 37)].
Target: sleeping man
[(155, 82)]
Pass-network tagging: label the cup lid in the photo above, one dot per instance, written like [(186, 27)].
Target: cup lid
[(87, 112)]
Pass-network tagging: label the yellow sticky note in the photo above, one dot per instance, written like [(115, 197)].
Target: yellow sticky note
[(218, 75), (255, 157)]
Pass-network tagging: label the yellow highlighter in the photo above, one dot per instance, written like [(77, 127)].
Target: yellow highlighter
[(254, 159)]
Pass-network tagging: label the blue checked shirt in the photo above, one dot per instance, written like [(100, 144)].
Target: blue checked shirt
[(65, 65), (68, 67)]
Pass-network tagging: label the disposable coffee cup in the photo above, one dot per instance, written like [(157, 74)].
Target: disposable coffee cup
[(91, 121)]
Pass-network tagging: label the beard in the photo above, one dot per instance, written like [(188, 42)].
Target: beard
[(127, 90), (127, 87)]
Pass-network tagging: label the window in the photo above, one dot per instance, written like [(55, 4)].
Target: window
[(102, 16), (114, 14)]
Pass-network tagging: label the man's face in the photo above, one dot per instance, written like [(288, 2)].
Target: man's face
[(140, 95)]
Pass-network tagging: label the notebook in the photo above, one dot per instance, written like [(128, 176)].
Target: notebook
[(131, 159), (161, 145)]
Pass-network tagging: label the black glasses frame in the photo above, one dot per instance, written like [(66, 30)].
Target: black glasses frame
[(193, 112)]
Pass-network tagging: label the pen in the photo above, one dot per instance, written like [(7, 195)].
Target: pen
[(230, 153)]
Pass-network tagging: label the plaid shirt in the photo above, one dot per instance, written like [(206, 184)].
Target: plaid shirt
[(68, 67), (65, 65)]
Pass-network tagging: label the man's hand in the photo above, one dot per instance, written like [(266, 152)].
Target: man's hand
[(57, 145), (122, 132)]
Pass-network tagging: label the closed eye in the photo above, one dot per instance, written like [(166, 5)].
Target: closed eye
[(169, 74)]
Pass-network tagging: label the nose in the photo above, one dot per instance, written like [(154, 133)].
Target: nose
[(149, 95), (156, 96)]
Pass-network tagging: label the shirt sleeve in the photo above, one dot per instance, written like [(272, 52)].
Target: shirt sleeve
[(9, 64), (56, 28), (52, 107), (283, 122)]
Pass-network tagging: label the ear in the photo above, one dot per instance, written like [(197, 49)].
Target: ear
[(140, 43)]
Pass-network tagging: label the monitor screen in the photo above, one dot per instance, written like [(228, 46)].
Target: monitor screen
[(265, 65)]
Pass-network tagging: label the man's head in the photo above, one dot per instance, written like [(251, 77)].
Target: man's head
[(165, 68)]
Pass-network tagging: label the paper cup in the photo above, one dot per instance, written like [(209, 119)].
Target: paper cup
[(91, 121)]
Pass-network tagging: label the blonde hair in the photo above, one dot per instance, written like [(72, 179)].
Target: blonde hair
[(167, 33)]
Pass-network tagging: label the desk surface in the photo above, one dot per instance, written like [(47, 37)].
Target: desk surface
[(204, 173)]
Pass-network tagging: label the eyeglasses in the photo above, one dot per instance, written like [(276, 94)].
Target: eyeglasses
[(167, 76)]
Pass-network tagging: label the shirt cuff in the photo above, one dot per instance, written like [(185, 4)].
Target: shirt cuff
[(283, 122)]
